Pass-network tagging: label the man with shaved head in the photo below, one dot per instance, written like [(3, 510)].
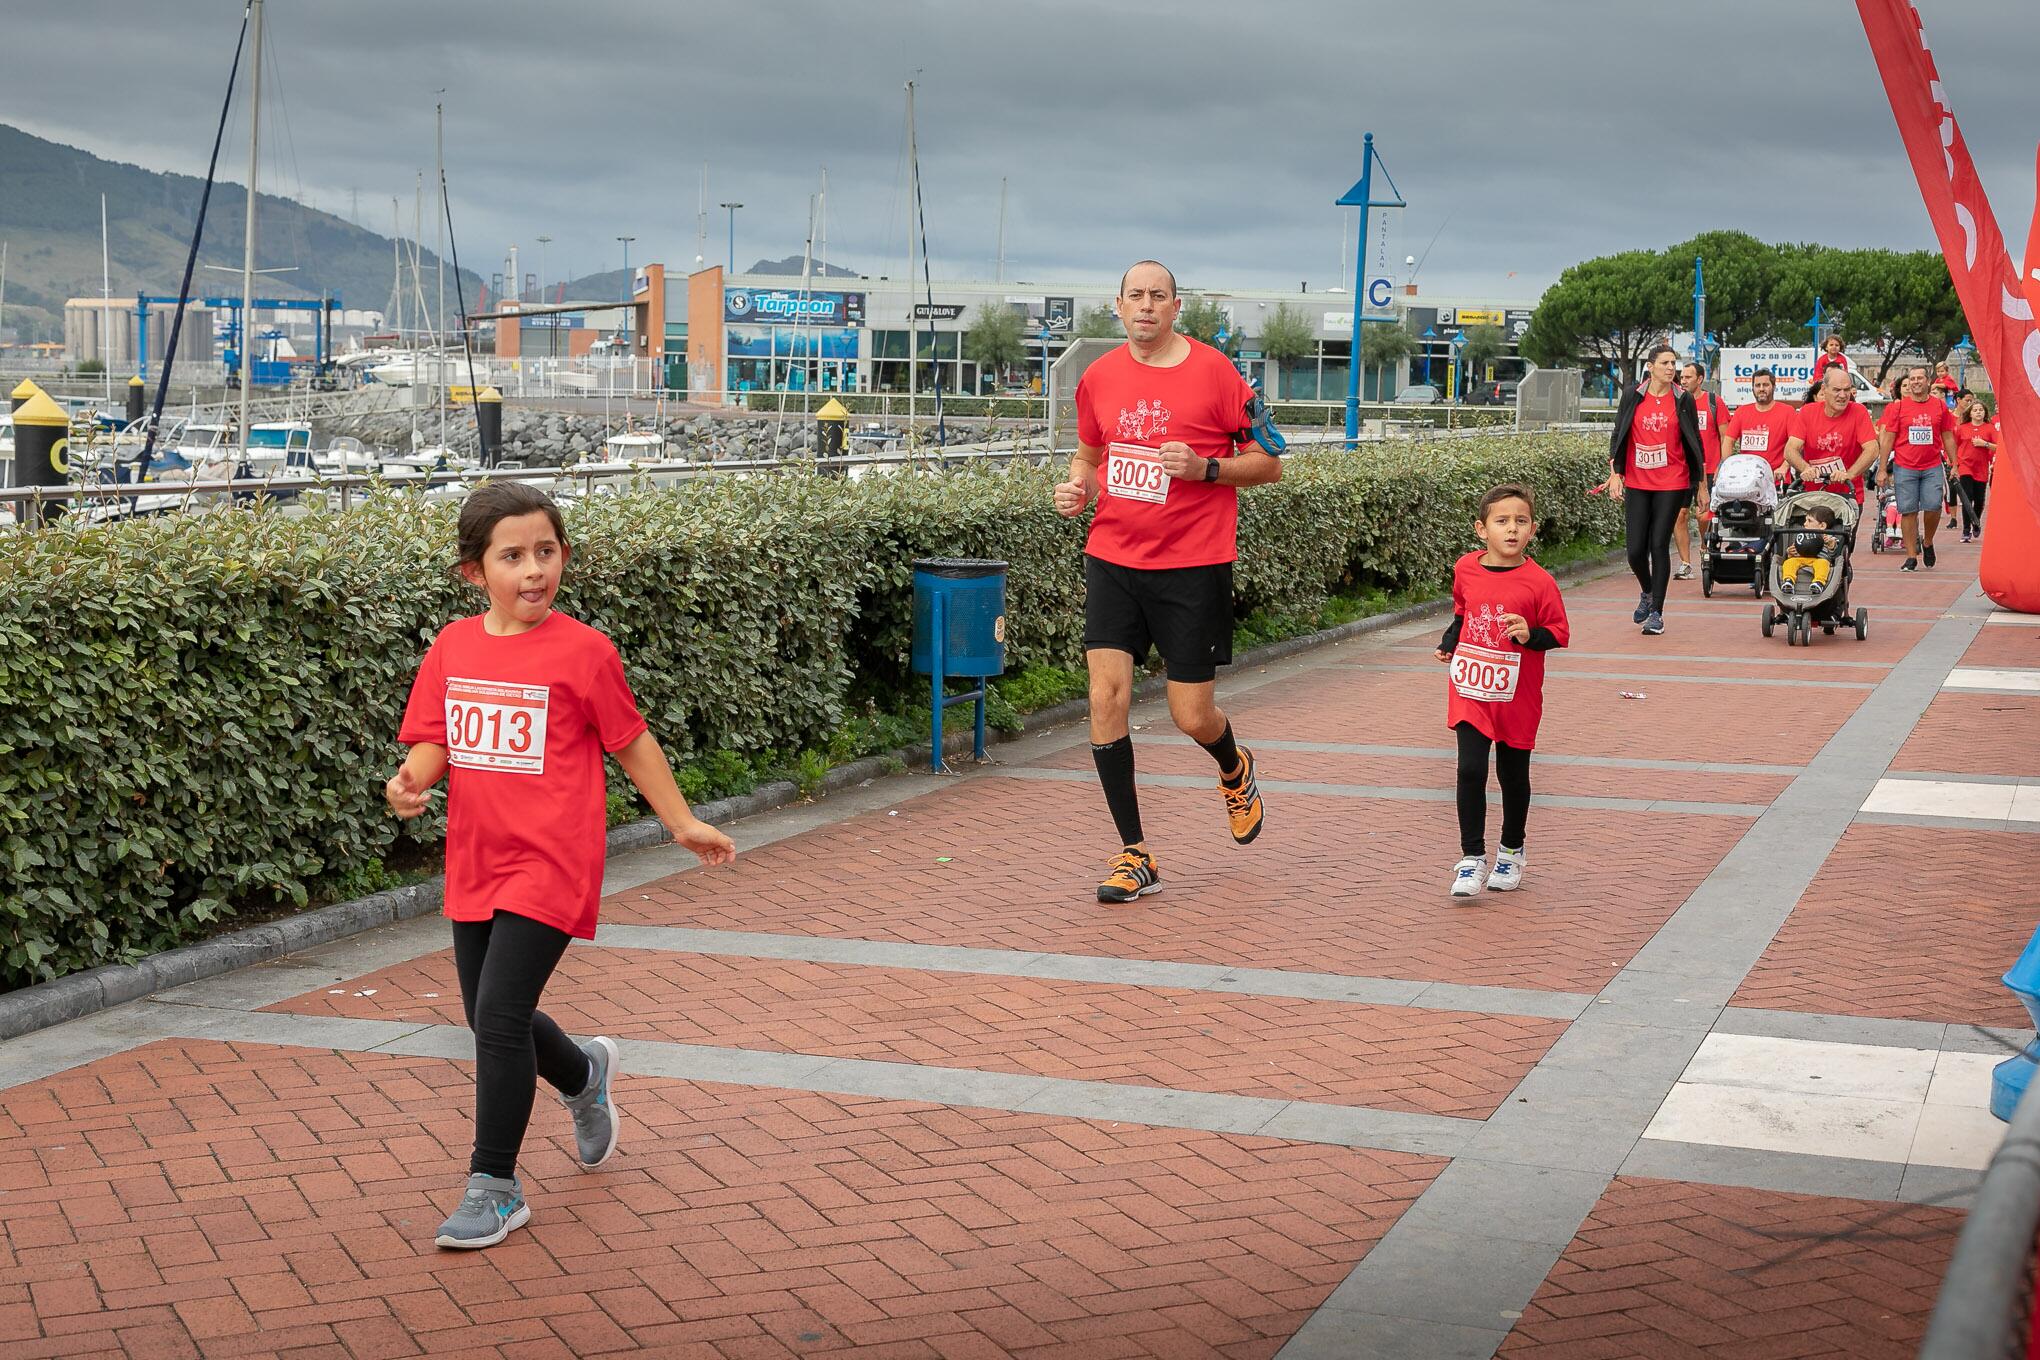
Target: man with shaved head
[(1160, 425)]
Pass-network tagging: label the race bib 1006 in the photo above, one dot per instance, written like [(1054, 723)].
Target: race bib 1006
[(1485, 674), (1134, 472), (1757, 440), (1919, 436), (1653, 456), (492, 725)]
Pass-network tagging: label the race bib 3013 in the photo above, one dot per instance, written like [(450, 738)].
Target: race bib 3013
[(494, 725)]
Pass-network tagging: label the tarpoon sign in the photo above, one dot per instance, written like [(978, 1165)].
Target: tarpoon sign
[(758, 306), (1792, 367)]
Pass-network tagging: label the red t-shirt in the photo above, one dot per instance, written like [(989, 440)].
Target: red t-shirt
[(1144, 518), (1713, 416), (1971, 461), (1656, 460), (1827, 361), (1495, 682), (1753, 430), (525, 720), (1834, 439), (1916, 428)]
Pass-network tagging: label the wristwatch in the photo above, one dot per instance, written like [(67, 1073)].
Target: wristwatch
[(1211, 469)]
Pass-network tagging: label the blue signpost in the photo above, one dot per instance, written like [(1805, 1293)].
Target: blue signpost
[(1429, 336), (1819, 324), (1361, 196), (1700, 315), (1046, 336), (1458, 368)]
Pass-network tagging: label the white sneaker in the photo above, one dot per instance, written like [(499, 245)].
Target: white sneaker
[(1508, 874), (1468, 875)]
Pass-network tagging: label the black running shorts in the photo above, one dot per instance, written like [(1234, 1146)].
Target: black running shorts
[(1185, 613)]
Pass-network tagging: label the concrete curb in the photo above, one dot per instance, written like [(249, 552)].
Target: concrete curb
[(80, 994)]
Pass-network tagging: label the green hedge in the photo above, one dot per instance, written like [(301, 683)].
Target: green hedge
[(197, 713)]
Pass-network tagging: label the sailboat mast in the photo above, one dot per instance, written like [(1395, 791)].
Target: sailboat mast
[(701, 222), (439, 168), (105, 302), (913, 317), (248, 227), (1000, 275)]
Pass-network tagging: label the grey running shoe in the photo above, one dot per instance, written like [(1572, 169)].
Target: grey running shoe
[(1655, 624), (488, 1211), (1642, 608), (594, 1111)]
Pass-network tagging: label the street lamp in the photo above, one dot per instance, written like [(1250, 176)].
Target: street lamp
[(543, 242), (628, 348), (1046, 336), (732, 207)]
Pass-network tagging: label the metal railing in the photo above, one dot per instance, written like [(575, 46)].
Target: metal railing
[(1985, 1309)]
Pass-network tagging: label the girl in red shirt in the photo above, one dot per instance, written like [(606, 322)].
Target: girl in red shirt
[(1976, 443), (1506, 614), (1831, 356), (521, 703)]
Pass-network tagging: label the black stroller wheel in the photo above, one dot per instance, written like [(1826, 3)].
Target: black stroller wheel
[(1862, 624), (1770, 618)]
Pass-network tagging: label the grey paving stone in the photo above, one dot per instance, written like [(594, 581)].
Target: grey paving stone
[(1985, 1039), (910, 1081), (1946, 1186), (1336, 1334), (1653, 1056), (1835, 1029), (1320, 986), (1149, 1105), (1791, 1172), (1948, 823), (706, 1062), (1355, 1126), (300, 1031), (1487, 1283), (1521, 1203), (1455, 996), (1585, 1133)]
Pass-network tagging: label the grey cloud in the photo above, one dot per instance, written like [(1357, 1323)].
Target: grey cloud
[(1212, 134)]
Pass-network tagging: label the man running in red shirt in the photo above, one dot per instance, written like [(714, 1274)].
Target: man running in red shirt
[(1160, 422), (1765, 425), (1834, 442), (1921, 429), (1713, 417)]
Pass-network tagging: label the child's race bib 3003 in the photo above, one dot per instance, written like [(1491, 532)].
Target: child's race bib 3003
[(494, 725), (1485, 674), (1134, 472), (1653, 456)]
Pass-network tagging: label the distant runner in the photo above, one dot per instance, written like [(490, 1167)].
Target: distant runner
[(1160, 422), (1654, 461), (1713, 416)]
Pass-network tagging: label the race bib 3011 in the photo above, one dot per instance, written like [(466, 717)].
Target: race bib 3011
[(1653, 456)]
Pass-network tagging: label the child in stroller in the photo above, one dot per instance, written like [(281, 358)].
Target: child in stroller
[(1812, 536), (1812, 556)]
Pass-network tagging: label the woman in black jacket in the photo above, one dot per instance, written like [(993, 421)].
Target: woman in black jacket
[(1654, 464)]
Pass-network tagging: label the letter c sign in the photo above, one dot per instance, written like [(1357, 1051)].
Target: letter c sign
[(1379, 292)]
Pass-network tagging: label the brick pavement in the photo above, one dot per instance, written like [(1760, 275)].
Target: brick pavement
[(190, 1196)]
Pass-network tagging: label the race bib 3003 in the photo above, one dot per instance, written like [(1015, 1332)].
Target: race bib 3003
[(492, 725), (1653, 456), (1134, 472), (1757, 440), (1485, 674)]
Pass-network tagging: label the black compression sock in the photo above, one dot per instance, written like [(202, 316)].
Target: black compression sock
[(1225, 753), (1115, 774)]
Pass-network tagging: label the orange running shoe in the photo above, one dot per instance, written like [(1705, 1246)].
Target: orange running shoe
[(1243, 801), (1133, 875)]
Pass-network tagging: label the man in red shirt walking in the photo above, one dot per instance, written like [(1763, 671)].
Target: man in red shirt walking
[(1918, 434), (1765, 425), (1834, 442), (1160, 422)]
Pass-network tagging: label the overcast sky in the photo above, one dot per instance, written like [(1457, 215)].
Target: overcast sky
[(1526, 134)]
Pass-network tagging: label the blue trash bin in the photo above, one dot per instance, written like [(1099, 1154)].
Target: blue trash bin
[(2010, 1078), (959, 630)]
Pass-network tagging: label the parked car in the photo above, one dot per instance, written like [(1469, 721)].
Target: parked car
[(1499, 393), (1417, 394)]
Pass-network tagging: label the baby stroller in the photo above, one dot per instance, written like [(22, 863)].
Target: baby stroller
[(1737, 550), (1825, 604), (1888, 535)]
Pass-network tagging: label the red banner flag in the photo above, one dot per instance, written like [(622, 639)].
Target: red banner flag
[(1996, 302)]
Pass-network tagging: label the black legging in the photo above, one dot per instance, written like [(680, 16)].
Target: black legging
[(1973, 490), (1651, 515), (504, 964), (1512, 772)]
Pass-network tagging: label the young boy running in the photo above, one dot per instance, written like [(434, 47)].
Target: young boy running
[(1507, 613)]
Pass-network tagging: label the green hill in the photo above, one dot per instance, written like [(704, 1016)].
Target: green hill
[(49, 217)]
